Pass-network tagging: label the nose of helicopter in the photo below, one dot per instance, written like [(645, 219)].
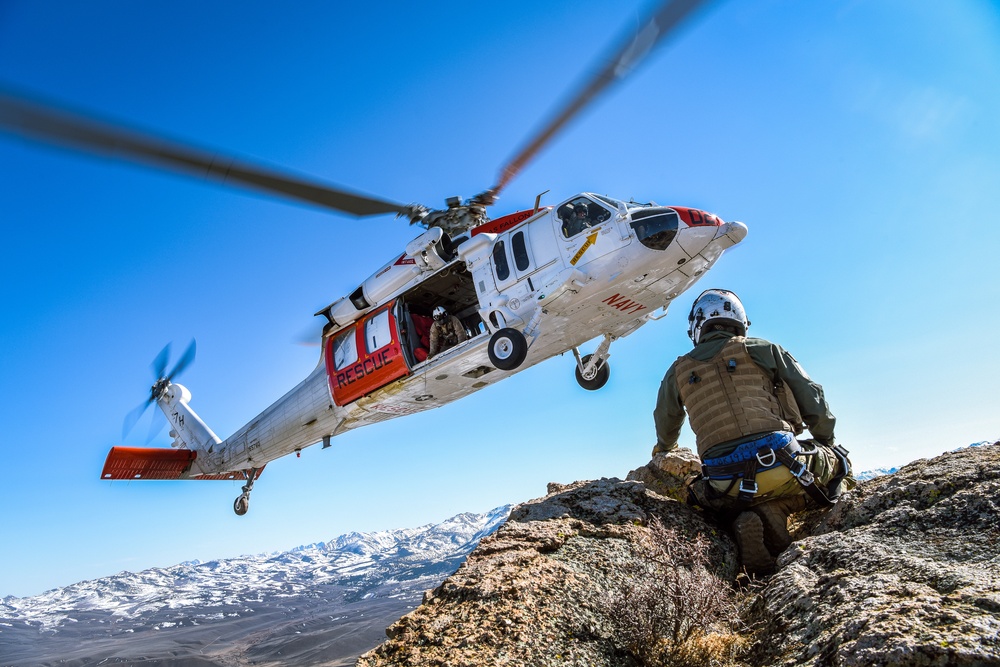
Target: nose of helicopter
[(731, 233)]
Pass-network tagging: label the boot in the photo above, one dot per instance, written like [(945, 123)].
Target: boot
[(774, 515), (749, 530)]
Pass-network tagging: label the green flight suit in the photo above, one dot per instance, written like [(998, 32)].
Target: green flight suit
[(669, 415)]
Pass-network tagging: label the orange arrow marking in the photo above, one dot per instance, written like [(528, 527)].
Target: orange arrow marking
[(591, 240)]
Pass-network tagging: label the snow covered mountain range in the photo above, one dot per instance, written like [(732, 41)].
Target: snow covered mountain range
[(317, 581)]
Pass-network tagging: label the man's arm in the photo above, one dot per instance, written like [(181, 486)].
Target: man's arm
[(435, 340), (460, 333), (668, 416), (808, 394)]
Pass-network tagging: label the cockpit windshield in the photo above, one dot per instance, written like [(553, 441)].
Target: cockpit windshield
[(618, 203), (655, 227), (611, 201)]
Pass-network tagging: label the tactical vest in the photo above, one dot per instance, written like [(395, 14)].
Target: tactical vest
[(450, 333), (728, 396), (445, 332)]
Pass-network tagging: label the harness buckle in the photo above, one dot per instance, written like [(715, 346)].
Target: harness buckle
[(801, 473), (807, 448), (749, 489), (766, 457)]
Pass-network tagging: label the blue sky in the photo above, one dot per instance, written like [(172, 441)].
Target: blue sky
[(858, 141)]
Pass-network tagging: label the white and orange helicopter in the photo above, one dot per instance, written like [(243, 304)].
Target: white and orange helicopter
[(525, 286)]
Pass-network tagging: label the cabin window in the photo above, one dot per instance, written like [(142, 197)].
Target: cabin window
[(377, 332), (345, 349), (521, 259), (500, 261)]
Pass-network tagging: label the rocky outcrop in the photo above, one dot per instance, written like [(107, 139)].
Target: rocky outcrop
[(667, 474), (905, 570), (536, 592)]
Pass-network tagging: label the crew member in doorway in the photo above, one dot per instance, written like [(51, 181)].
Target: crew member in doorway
[(746, 399), (447, 331)]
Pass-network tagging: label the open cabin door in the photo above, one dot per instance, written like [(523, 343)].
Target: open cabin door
[(392, 340)]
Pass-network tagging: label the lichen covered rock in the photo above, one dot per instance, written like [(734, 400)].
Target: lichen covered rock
[(534, 593), (904, 570)]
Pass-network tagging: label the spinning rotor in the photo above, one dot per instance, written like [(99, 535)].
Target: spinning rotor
[(46, 123)]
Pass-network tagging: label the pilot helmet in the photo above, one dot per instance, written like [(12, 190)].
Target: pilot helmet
[(716, 306), (440, 313)]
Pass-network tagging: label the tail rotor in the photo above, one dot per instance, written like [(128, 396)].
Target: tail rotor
[(160, 385)]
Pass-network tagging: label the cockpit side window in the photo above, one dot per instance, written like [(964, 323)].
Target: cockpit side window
[(581, 214)]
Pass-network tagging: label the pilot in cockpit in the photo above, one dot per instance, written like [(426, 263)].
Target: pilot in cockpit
[(575, 218)]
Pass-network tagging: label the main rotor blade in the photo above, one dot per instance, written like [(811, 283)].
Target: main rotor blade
[(43, 122), (633, 49)]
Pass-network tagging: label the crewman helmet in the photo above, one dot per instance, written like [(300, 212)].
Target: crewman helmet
[(440, 313), (716, 306)]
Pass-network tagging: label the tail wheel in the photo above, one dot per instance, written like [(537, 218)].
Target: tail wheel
[(508, 348), (600, 378), (241, 505)]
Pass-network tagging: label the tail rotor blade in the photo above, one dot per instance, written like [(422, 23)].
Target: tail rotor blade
[(184, 361), (155, 427), (132, 418), (159, 364)]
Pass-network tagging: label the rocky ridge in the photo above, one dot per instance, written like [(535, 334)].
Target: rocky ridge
[(905, 570)]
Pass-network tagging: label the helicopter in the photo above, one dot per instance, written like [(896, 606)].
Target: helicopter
[(524, 287)]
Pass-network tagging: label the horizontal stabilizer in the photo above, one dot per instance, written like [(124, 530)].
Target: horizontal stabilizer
[(158, 463)]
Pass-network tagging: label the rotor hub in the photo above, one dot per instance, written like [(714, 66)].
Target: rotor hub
[(158, 389)]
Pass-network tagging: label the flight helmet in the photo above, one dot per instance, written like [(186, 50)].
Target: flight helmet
[(440, 313), (716, 306)]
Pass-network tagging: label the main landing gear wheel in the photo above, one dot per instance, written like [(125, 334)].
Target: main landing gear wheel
[(241, 505), (599, 376), (508, 348)]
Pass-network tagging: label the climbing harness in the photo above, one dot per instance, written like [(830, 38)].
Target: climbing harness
[(770, 451)]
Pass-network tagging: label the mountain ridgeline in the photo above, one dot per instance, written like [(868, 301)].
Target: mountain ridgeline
[(323, 603)]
